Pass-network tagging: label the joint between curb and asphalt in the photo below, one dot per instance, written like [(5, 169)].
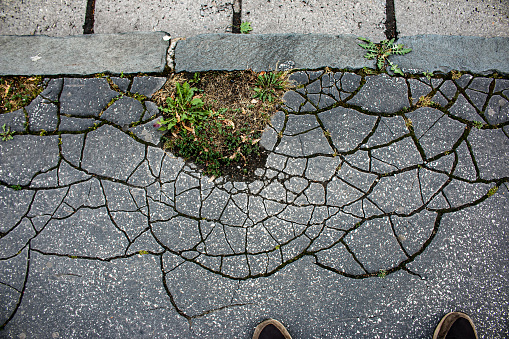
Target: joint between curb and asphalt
[(152, 53)]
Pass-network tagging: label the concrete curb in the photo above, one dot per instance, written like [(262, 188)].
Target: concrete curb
[(440, 53), (146, 52), (265, 52), (137, 52), (309, 51)]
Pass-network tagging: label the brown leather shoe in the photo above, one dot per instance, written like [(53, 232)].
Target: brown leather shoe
[(271, 329), (455, 325)]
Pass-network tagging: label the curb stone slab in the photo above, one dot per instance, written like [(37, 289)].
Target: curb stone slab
[(438, 53), (128, 240), (265, 52), (143, 52), (268, 52), (147, 53)]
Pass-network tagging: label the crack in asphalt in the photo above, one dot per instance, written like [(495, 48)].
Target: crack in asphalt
[(356, 179)]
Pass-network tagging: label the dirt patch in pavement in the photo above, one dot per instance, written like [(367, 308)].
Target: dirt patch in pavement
[(16, 92), (227, 142)]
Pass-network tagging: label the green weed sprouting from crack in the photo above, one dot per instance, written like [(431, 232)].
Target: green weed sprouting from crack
[(478, 124), (267, 84), (381, 52), (382, 273), (245, 27), (185, 110), (16, 187), (428, 75), (425, 101), (7, 133)]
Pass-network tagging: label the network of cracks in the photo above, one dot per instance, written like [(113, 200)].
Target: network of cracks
[(360, 172)]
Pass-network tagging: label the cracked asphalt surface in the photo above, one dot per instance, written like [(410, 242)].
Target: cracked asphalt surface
[(382, 206)]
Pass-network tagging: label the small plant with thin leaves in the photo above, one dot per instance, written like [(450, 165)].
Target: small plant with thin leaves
[(381, 53), (382, 273), (478, 124), (245, 27), (267, 84), (428, 75), (184, 110), (6, 134)]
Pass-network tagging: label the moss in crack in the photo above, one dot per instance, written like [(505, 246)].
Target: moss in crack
[(492, 191)]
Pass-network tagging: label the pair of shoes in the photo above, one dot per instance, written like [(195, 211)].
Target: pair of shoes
[(271, 329), (455, 325)]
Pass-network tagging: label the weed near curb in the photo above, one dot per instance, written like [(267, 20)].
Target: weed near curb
[(245, 27), (267, 84), (227, 121), (381, 52)]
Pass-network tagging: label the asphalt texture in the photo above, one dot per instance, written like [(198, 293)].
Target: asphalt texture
[(377, 213)]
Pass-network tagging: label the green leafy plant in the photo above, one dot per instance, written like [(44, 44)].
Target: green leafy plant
[(267, 84), (382, 273), (7, 133), (478, 124), (225, 139), (196, 78), (425, 101), (200, 147), (381, 52), (137, 96), (245, 27), (16, 187), (428, 75), (184, 110)]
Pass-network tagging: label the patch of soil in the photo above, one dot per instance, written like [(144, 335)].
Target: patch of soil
[(16, 91), (242, 170), (237, 119)]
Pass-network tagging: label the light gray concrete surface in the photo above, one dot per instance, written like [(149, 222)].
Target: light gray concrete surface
[(363, 18), (83, 54), (266, 52), (181, 18), (446, 53), (486, 18), (54, 18)]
